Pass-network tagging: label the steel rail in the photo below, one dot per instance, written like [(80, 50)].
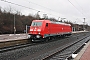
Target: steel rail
[(45, 58), (19, 45)]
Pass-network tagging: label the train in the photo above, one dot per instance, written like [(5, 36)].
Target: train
[(41, 30)]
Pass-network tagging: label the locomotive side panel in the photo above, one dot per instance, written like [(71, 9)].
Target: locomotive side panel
[(56, 29)]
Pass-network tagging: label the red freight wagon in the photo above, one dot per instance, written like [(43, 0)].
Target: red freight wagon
[(45, 29)]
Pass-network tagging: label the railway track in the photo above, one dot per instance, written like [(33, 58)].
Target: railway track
[(17, 44), (51, 50), (12, 43), (35, 49), (67, 52), (16, 47)]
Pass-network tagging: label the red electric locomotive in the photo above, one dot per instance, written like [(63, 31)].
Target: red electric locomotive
[(45, 29)]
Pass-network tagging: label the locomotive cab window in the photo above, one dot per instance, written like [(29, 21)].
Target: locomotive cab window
[(46, 24), (36, 24)]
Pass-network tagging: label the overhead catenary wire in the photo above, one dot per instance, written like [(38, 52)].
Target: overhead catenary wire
[(53, 10), (81, 7), (75, 7), (42, 6), (18, 4), (26, 7), (32, 8)]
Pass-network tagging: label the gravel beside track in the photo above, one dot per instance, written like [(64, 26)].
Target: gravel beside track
[(41, 50), (43, 56), (65, 54)]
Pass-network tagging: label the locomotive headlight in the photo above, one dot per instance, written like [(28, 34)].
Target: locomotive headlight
[(38, 36), (31, 29), (39, 30), (29, 36)]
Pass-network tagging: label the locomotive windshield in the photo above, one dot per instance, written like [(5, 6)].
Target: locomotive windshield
[(36, 24)]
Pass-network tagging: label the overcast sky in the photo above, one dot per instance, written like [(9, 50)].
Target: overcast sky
[(72, 10)]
